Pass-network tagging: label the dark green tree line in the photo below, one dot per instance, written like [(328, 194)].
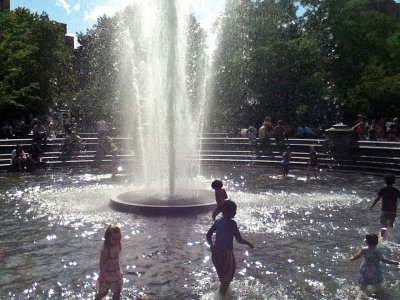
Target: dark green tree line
[(361, 51), (196, 60), (97, 70), (339, 58), (36, 71), (285, 68), (233, 101)]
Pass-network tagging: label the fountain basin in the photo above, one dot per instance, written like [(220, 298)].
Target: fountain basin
[(150, 203)]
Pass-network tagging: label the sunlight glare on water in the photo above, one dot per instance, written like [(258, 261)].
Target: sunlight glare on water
[(304, 234)]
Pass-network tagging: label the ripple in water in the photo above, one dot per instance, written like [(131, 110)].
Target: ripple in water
[(304, 232)]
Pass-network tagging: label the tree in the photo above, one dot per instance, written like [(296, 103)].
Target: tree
[(266, 65), (377, 94), (196, 63), (359, 46), (232, 101), (35, 65), (286, 71), (97, 69)]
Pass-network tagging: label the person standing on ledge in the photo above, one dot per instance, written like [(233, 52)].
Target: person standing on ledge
[(389, 195), (220, 197), (222, 249)]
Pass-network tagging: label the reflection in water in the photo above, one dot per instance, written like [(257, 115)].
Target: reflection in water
[(304, 231)]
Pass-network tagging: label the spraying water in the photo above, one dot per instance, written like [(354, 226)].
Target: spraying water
[(164, 123)]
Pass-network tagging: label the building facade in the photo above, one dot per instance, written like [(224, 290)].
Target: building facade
[(4, 4), (387, 7), (69, 40)]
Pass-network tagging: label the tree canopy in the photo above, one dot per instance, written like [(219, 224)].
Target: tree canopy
[(102, 62), (36, 71), (338, 58), (332, 61)]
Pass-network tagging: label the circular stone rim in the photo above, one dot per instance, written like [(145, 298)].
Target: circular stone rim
[(153, 209)]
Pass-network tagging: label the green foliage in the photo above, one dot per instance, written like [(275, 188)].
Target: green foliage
[(357, 42), (35, 65), (102, 63), (377, 94), (265, 65), (232, 103), (98, 63), (196, 60), (339, 57)]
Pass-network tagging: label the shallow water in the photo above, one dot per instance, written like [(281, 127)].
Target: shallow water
[(304, 233)]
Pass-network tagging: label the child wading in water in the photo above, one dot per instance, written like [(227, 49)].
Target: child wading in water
[(220, 197), (110, 270), (222, 249), (312, 163), (389, 195), (286, 162), (370, 271)]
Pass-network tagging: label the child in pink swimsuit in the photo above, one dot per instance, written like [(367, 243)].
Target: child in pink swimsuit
[(110, 270)]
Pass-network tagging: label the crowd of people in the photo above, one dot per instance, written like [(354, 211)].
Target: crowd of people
[(30, 159), (19, 129), (362, 129), (376, 130), (39, 133), (280, 131), (260, 139)]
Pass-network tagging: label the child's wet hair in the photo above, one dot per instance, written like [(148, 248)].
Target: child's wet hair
[(371, 239), (229, 208), (390, 179), (217, 184), (111, 229)]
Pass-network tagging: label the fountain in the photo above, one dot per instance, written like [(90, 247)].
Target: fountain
[(304, 231), (165, 124)]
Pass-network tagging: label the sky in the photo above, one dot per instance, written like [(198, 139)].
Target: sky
[(80, 15)]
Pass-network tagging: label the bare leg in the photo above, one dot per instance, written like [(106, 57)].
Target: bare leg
[(100, 296), (117, 296), (23, 161), (224, 287), (215, 213), (19, 160)]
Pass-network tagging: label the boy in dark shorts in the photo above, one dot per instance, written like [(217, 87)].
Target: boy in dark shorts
[(389, 196)]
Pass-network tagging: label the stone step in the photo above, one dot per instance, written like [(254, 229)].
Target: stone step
[(218, 149)]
